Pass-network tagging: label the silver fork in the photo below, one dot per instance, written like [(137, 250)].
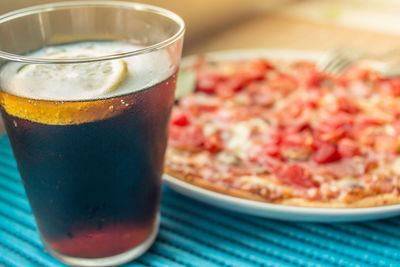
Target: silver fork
[(338, 60)]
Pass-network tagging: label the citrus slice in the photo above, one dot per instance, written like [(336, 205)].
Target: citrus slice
[(80, 81)]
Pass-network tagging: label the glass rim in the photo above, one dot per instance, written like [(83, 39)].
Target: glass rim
[(65, 5)]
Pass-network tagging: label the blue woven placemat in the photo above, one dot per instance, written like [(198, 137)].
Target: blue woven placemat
[(195, 234)]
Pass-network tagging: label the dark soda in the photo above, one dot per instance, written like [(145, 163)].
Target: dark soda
[(92, 172)]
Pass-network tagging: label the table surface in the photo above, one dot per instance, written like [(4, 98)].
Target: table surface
[(195, 234), (283, 30)]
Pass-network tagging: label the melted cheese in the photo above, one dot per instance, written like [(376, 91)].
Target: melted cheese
[(239, 142)]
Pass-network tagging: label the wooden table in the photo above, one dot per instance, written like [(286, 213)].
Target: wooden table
[(283, 31)]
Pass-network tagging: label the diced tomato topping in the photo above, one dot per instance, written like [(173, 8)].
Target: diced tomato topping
[(193, 107), (313, 97), (386, 143), (256, 70), (345, 105), (357, 73), (348, 148), (272, 150), (294, 139), (300, 127), (268, 147), (283, 83), (363, 122), (367, 136), (249, 75), (207, 81), (255, 74), (265, 151), (367, 120), (326, 153), (258, 154), (206, 85), (296, 145), (210, 82), (336, 127), (363, 129), (273, 136), (196, 109), (213, 143), (254, 152), (272, 147), (296, 175), (313, 78), (390, 86), (295, 110), (238, 81), (354, 73), (231, 85), (307, 74), (224, 90), (207, 108), (180, 119), (261, 64), (310, 104), (341, 119), (189, 135), (396, 126), (297, 107), (262, 98)]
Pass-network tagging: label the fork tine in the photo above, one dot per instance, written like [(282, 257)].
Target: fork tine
[(327, 60), (340, 66), (338, 60), (331, 59), (334, 63)]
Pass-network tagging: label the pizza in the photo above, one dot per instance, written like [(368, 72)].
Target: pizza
[(286, 133)]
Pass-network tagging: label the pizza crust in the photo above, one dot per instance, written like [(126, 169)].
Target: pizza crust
[(367, 202), (213, 186)]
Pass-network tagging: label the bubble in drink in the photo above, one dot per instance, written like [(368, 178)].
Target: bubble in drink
[(89, 141)]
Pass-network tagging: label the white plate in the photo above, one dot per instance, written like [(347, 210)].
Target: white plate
[(267, 210)]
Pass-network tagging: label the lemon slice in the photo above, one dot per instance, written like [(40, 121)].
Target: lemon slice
[(70, 81)]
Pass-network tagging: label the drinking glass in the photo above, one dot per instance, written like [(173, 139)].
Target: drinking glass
[(86, 94)]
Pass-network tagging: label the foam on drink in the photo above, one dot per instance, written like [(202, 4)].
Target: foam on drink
[(67, 91), (71, 82)]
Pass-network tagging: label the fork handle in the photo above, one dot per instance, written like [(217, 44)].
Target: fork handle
[(391, 72), (392, 54)]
